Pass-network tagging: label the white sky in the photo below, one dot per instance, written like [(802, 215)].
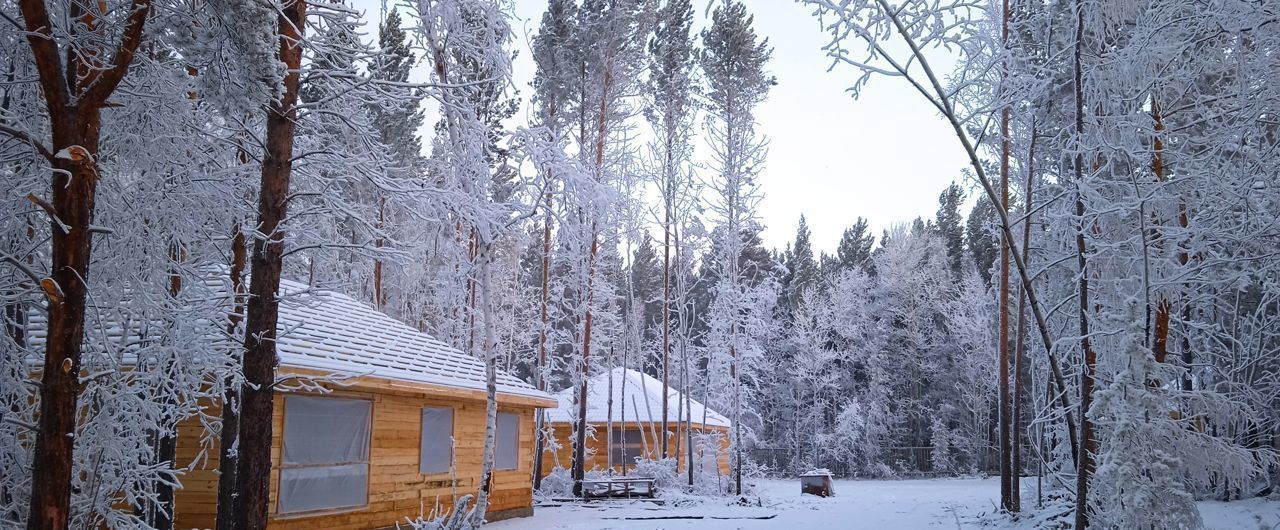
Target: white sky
[(885, 156)]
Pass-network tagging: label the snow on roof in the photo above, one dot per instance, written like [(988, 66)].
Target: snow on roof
[(334, 333), (324, 330), (640, 389)]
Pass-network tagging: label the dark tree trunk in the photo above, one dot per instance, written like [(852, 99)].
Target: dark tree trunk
[(73, 97), (1019, 355), (254, 466), (580, 436), (1005, 408), (666, 306), (73, 198), (540, 374), (1088, 444), (1007, 487), (230, 432)]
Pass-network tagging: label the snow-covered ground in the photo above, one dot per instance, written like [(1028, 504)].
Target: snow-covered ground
[(860, 504)]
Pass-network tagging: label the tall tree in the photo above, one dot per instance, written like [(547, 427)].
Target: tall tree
[(99, 44), (733, 61), (553, 91), (397, 121), (854, 249), (609, 37), (802, 270), (671, 61), (466, 41), (262, 310), (950, 226)]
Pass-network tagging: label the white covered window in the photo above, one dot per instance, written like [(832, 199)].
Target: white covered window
[(437, 440), (506, 454), (326, 454)]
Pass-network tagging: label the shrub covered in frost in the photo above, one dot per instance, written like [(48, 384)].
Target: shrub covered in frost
[(558, 483)]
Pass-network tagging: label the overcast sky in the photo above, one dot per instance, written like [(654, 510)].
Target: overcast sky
[(885, 156)]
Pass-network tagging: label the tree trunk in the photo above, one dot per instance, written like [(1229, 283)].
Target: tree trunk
[(379, 295), (230, 432), (1019, 356), (1088, 445), (73, 197), (73, 100), (253, 470), (539, 374), (579, 450), (666, 304), (490, 381), (1006, 408), (580, 436)]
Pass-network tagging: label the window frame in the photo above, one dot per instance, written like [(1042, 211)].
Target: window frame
[(279, 472), (422, 439), (497, 440), (619, 447)]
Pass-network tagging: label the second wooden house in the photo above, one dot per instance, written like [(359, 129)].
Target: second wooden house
[(624, 415)]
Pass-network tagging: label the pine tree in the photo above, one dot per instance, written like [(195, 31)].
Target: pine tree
[(262, 311), (855, 245), (646, 280), (671, 61), (552, 95), (609, 38), (399, 119), (733, 61), (979, 232), (802, 270), (950, 226), (75, 97)]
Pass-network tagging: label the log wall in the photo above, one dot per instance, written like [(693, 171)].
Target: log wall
[(396, 489), (597, 447)]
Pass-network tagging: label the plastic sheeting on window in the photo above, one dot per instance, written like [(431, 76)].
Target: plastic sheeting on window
[(627, 445), (506, 454), (326, 453), (303, 489), (437, 440)]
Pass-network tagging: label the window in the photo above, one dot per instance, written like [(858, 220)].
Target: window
[(506, 453), (626, 446), (437, 441), (326, 454)]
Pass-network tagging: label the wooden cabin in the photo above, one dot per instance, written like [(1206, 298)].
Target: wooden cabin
[(380, 445), (635, 413)]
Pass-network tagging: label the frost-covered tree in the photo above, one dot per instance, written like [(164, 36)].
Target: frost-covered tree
[(1122, 214), (609, 39), (733, 61), (672, 57)]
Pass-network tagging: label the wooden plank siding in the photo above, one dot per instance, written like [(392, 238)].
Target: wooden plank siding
[(597, 447), (396, 488)]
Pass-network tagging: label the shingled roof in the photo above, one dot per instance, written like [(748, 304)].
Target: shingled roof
[(333, 333), (329, 331), (642, 395)]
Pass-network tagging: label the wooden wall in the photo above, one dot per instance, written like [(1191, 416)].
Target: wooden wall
[(396, 489), (563, 456)]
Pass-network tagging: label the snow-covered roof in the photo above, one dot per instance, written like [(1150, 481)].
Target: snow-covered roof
[(329, 331), (333, 333), (641, 395)]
